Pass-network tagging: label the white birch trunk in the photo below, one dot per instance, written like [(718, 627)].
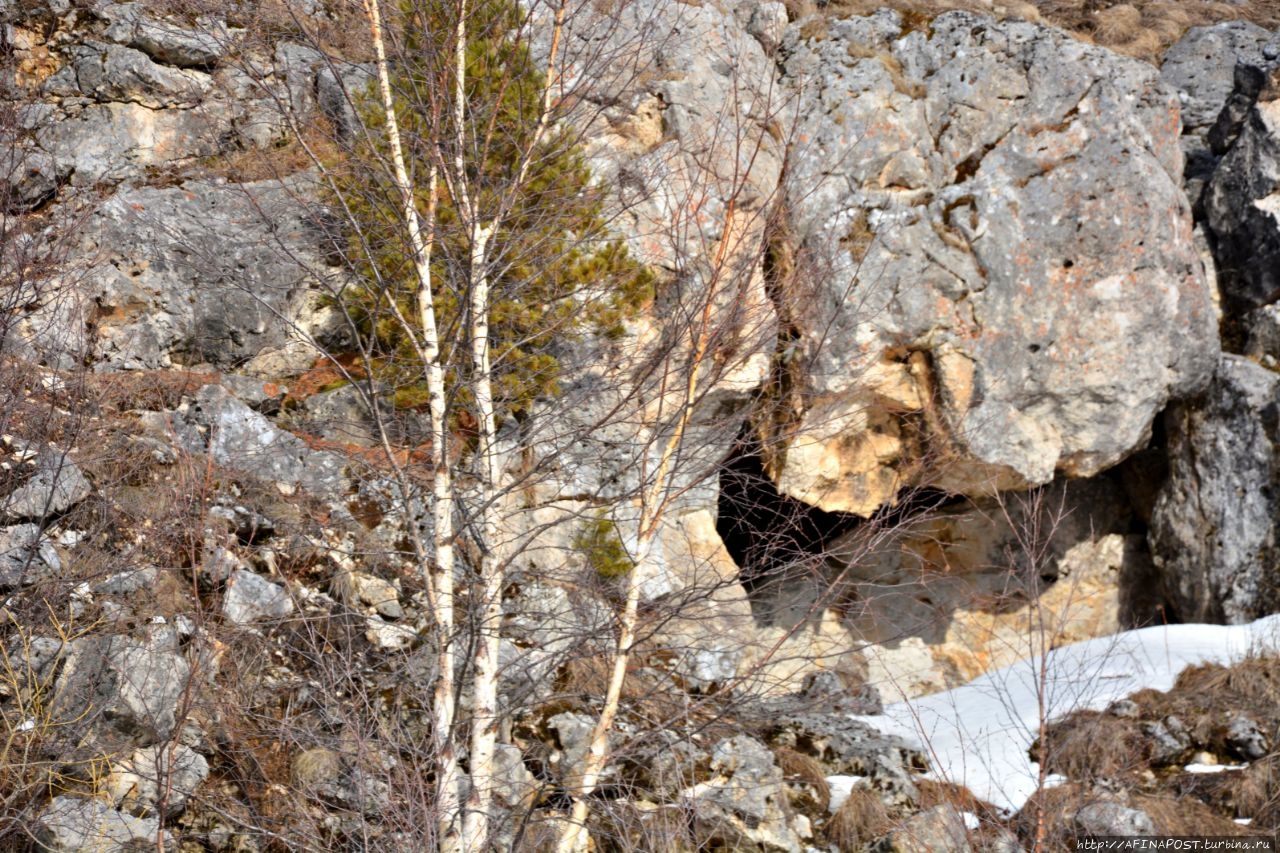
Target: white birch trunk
[(439, 579)]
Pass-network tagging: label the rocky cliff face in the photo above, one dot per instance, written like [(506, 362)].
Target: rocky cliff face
[(965, 274)]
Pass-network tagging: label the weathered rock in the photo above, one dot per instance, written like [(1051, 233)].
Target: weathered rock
[(940, 829), (1213, 534), (133, 686), (168, 41), (55, 487), (1201, 67), (978, 262), (245, 440), (1110, 818), (204, 272), (24, 555), (158, 778), (743, 805), (250, 598), (1241, 203), (74, 825)]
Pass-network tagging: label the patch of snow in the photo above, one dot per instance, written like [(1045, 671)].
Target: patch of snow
[(840, 787), (977, 735), (1213, 768), (1244, 821), (971, 821)]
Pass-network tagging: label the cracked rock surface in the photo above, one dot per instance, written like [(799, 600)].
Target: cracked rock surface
[(986, 282)]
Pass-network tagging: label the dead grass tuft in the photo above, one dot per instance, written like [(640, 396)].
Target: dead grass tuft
[(860, 820), (933, 793), (807, 779), (1089, 746), (1187, 817)]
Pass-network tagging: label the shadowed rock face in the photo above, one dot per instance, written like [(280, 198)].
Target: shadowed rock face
[(1213, 533), (998, 246)]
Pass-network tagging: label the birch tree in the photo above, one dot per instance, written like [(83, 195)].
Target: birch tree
[(496, 212)]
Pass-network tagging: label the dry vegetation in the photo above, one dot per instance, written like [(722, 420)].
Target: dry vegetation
[(1133, 750), (1140, 28)]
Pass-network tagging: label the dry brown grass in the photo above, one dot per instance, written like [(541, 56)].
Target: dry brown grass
[(1252, 793), (860, 820), (1139, 28), (808, 781), (1089, 746), (1187, 817), (933, 793)]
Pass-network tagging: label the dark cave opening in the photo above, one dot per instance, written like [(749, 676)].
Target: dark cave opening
[(768, 534)]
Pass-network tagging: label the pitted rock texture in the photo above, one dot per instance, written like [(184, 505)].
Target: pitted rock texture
[(202, 273), (1213, 534), (996, 257)]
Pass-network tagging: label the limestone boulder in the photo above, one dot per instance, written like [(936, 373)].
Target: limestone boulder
[(981, 286), (743, 804), (205, 272)]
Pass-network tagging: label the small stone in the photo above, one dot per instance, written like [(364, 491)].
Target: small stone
[(250, 597), (940, 829), (1107, 818), (73, 825), (1247, 739)]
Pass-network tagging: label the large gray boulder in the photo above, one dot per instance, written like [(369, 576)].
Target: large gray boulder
[(206, 272), (133, 686), (1213, 532), (980, 282)]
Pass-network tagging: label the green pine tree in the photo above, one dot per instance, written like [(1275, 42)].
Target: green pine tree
[(555, 273)]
